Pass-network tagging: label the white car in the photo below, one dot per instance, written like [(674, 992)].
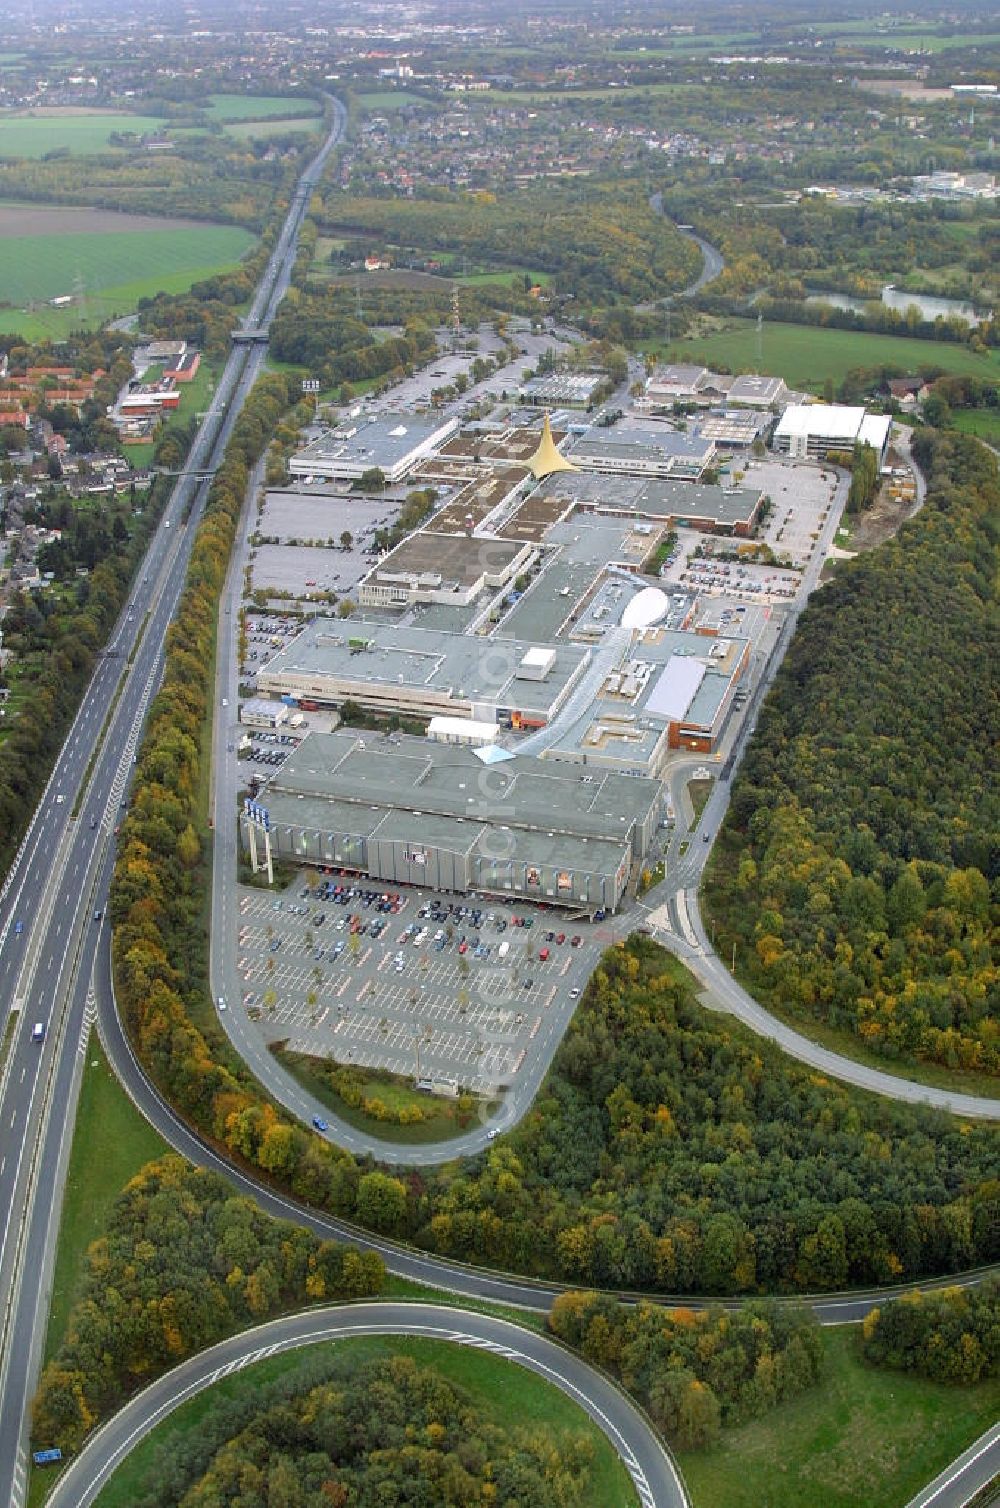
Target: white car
[(222, 1002)]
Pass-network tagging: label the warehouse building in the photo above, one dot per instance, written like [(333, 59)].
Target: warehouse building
[(407, 811), (674, 383), (424, 672), (814, 429), (714, 509), (453, 569), (393, 443)]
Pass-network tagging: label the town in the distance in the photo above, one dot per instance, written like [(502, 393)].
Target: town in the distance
[(499, 820)]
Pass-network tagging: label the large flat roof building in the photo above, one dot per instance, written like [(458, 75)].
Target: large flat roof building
[(561, 389), (407, 811), (394, 443), (424, 672), (674, 383), (630, 450), (723, 510), (752, 391), (449, 568)]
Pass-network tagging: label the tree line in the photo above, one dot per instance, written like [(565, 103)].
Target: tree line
[(310, 330), (184, 1262), (695, 1372), (949, 1334), (858, 862), (353, 1433)]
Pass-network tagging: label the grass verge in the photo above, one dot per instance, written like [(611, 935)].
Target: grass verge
[(867, 1438), (502, 1390), (111, 1142), (395, 1092), (699, 792)]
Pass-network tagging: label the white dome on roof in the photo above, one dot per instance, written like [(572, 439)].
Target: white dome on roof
[(647, 607)]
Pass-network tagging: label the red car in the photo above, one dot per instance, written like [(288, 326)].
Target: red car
[(561, 938)]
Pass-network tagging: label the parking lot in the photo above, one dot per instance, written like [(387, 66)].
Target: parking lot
[(404, 981), (801, 495), (266, 633), (300, 533)]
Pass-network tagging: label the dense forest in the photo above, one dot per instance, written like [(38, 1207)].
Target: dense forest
[(855, 867), (185, 1261), (360, 1434), (600, 242), (670, 1150), (309, 329), (695, 1372), (950, 1334)]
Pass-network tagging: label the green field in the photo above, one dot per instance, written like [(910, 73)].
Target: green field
[(261, 106), (865, 1438), (805, 355), (395, 1092), (83, 135), (503, 1391), (111, 1142), (984, 422), (246, 130), (100, 271), (388, 99), (504, 275)]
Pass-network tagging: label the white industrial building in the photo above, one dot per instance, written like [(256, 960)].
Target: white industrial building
[(467, 731), (258, 712), (393, 443), (814, 429)]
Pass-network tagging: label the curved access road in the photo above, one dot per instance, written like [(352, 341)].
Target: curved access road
[(712, 260), (405, 1261), (656, 1479)]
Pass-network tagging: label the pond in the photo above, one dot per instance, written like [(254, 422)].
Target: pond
[(930, 306)]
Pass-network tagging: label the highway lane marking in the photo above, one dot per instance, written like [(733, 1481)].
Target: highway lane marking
[(957, 1469)]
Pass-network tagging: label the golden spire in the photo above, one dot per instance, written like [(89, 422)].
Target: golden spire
[(546, 458)]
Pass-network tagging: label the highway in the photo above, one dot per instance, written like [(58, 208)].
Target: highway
[(59, 881), (650, 1467)]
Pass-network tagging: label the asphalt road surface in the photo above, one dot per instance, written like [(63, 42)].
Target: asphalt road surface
[(650, 1467), (968, 1474)]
